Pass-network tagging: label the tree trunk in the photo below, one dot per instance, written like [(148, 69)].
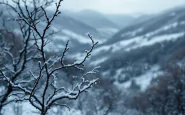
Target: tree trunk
[(5, 97), (43, 113)]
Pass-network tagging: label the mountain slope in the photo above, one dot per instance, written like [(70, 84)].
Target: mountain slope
[(135, 50), (93, 18), (71, 29), (168, 22), (125, 20)]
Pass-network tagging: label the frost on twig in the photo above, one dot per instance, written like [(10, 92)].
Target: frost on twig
[(40, 88)]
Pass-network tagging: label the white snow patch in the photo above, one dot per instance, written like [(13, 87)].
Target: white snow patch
[(98, 61), (137, 31), (182, 23), (100, 49), (77, 56), (71, 112), (131, 41), (124, 85), (143, 80), (27, 108), (118, 45), (132, 33), (55, 29), (118, 72), (139, 41), (2, 88), (167, 27), (63, 38), (157, 39), (106, 73), (164, 28), (76, 36)]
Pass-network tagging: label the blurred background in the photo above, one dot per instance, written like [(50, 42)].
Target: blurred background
[(140, 55)]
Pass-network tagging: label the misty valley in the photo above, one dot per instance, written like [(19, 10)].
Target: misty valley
[(56, 61)]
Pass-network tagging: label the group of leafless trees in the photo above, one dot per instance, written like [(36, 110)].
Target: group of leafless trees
[(27, 72), (165, 95)]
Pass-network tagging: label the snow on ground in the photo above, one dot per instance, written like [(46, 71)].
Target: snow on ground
[(132, 33), (2, 88), (157, 39), (102, 48), (118, 73), (145, 40), (164, 28), (52, 46), (98, 61), (167, 27), (108, 31), (134, 43), (139, 41), (143, 80), (71, 112), (27, 109), (182, 23), (78, 37), (59, 37)]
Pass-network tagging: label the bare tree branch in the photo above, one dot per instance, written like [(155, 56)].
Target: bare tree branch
[(39, 95)]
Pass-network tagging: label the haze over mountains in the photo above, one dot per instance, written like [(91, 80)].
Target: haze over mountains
[(100, 20), (131, 47), (141, 44), (133, 50), (126, 41), (138, 49)]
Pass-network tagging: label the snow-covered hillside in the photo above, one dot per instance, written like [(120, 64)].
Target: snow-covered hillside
[(145, 43)]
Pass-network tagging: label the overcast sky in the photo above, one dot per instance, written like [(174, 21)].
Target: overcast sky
[(122, 6)]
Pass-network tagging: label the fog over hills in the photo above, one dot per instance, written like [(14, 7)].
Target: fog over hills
[(124, 39), (140, 48), (137, 54), (93, 18)]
